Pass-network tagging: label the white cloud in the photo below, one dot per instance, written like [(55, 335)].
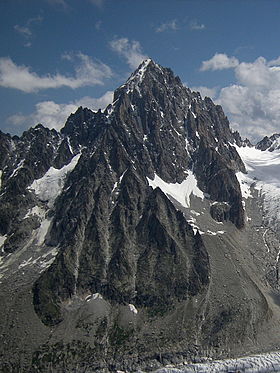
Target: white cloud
[(26, 30), (219, 61), (194, 25), (172, 25), (259, 74), (23, 30), (252, 103), (53, 115), (87, 73), (130, 50)]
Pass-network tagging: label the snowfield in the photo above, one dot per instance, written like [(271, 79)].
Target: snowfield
[(263, 174), (180, 192), (51, 184)]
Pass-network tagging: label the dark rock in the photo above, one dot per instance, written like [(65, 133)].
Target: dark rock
[(269, 143)]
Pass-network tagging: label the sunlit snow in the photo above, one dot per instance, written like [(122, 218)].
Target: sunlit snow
[(36, 210), (133, 309), (42, 231), (93, 297), (263, 172), (51, 184), (180, 192)]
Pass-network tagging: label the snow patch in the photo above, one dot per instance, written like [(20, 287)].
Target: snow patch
[(118, 182), (19, 166), (42, 231), (2, 241), (133, 309), (180, 192), (245, 183), (51, 184), (36, 210), (93, 297), (215, 233), (195, 213), (137, 77)]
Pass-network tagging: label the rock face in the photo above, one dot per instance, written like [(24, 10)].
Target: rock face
[(102, 218), (269, 143)]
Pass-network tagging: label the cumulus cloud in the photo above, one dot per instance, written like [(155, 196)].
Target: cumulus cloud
[(195, 25), (87, 73), (171, 25), (219, 61), (252, 102), (130, 50), (54, 115)]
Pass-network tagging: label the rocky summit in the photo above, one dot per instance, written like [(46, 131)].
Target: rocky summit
[(139, 236)]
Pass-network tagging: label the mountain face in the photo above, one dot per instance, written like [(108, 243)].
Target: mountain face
[(135, 237)]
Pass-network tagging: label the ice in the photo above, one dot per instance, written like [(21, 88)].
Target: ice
[(264, 363), (180, 192), (51, 184)]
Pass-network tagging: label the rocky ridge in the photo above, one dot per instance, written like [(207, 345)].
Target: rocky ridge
[(123, 273)]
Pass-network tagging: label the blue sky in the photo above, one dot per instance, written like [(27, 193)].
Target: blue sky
[(59, 54)]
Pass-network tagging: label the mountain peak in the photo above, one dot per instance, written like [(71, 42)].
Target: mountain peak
[(138, 75), (269, 143)]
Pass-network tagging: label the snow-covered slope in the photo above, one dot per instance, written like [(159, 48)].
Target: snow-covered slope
[(181, 192), (263, 175)]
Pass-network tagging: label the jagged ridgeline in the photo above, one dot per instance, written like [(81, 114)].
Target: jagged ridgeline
[(129, 229)]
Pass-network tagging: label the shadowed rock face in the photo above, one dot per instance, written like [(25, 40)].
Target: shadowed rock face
[(122, 246)]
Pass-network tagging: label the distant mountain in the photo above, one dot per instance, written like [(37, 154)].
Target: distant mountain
[(269, 143), (138, 236)]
